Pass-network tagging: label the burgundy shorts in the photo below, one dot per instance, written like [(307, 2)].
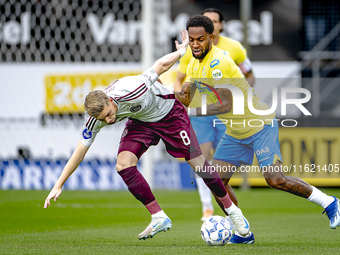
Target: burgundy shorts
[(174, 129)]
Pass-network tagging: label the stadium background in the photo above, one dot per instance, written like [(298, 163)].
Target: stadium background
[(54, 52)]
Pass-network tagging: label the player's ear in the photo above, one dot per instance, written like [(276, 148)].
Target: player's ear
[(111, 100)]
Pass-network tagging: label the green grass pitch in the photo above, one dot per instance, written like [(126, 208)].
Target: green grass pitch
[(103, 222)]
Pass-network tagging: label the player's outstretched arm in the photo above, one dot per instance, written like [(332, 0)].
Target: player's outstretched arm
[(76, 158), (166, 62)]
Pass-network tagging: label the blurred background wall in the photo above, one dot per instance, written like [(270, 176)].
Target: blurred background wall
[(52, 53)]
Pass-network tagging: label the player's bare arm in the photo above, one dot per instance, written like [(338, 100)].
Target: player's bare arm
[(166, 62), (188, 91), (76, 158), (186, 94), (247, 71), (216, 109), (180, 78)]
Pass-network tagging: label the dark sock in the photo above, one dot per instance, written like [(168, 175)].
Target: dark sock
[(139, 187), (213, 181)]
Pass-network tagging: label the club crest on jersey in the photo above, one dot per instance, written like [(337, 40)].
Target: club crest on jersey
[(217, 74), (125, 132), (87, 134), (135, 108)]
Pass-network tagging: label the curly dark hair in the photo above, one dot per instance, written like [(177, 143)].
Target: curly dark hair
[(215, 11), (201, 21)]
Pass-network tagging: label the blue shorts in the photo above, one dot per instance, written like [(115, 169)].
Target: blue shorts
[(265, 144), (205, 130)]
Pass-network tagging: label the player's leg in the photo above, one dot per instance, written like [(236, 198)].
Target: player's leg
[(219, 131), (237, 238), (130, 150), (230, 154), (205, 133), (278, 180), (266, 143), (214, 182), (231, 192), (209, 135), (203, 191), (225, 177)]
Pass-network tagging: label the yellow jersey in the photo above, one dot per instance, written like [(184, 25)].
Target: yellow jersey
[(218, 68), (235, 49)]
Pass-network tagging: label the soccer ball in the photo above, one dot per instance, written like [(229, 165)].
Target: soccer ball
[(216, 231)]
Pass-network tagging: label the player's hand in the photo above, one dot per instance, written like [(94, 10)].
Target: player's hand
[(55, 193), (185, 40)]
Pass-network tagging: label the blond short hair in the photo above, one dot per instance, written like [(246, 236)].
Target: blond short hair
[(95, 102)]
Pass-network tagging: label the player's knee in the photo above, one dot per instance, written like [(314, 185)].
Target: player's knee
[(276, 182), (121, 165), (126, 159)]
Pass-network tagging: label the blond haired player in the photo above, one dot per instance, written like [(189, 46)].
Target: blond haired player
[(153, 113)]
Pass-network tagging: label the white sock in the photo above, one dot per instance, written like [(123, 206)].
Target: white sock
[(205, 194), (231, 208), (159, 214), (320, 198)]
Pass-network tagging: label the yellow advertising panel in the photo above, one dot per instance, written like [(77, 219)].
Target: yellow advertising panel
[(66, 93), (312, 154)]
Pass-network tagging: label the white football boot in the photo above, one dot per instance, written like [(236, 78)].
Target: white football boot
[(241, 223), (157, 225)]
